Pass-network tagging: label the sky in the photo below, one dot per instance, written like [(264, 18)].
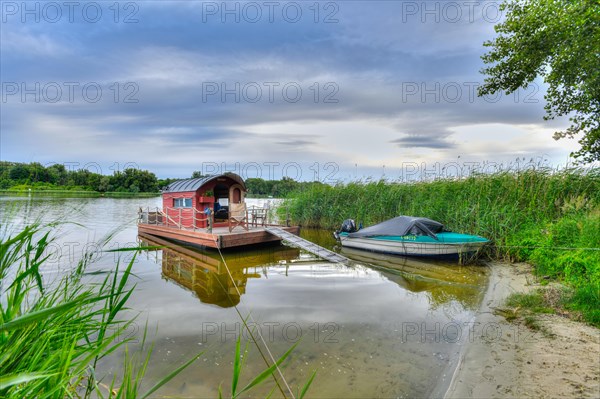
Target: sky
[(313, 90)]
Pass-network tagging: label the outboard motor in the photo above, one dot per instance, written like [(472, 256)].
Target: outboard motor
[(348, 226)]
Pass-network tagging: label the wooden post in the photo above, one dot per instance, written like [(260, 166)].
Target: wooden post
[(210, 222)]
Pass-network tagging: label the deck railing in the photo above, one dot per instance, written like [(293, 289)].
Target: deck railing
[(188, 217), (166, 217)]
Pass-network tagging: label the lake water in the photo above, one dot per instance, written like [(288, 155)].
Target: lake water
[(381, 327)]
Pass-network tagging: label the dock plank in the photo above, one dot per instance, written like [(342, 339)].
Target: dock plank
[(307, 245), (221, 237)]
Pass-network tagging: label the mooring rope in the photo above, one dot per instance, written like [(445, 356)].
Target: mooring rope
[(544, 247), (258, 332)]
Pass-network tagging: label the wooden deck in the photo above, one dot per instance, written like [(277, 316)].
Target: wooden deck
[(220, 236)]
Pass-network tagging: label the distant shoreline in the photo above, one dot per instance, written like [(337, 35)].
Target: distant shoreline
[(98, 194), (78, 193)]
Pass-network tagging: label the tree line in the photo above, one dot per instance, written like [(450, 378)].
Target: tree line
[(34, 175), (277, 188), (272, 188), (21, 176)]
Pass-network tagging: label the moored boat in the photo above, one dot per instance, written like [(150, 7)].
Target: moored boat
[(409, 236)]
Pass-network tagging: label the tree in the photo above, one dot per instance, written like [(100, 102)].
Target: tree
[(104, 184), (38, 173), (135, 180), (558, 40), (256, 185), (58, 174), (19, 172), (197, 174)]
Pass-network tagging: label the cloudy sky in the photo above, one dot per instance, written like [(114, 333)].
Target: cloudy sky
[(327, 90)]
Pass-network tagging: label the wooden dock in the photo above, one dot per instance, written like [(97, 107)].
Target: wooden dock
[(158, 224), (306, 245), (220, 237)]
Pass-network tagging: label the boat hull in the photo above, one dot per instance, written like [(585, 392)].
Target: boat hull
[(412, 248)]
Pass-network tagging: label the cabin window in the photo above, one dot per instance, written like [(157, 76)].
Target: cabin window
[(236, 196), (182, 203)]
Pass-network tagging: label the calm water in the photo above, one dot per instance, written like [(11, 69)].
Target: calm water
[(382, 327)]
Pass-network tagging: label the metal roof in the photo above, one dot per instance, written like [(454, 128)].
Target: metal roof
[(194, 184)]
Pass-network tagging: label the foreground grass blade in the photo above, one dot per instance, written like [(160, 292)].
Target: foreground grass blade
[(35, 317), (15, 379), (236, 366), (266, 373), (307, 385), (171, 375)]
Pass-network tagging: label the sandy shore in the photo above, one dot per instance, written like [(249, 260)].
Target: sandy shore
[(508, 360)]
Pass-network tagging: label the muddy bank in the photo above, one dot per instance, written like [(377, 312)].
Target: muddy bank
[(503, 359)]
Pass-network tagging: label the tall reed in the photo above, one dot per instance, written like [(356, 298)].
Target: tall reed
[(550, 218), (495, 206), (53, 334)]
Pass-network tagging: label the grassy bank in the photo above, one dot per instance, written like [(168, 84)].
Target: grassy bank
[(548, 218)]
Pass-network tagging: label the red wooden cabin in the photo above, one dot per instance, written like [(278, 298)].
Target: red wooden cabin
[(185, 201)]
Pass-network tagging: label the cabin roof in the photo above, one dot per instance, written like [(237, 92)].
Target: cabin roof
[(194, 184)]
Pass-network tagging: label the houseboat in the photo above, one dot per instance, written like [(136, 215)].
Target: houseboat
[(210, 211)]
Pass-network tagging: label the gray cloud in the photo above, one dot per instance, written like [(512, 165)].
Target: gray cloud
[(295, 143), (410, 82), (414, 140)]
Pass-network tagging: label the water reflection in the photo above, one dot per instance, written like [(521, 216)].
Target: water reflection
[(204, 273), (442, 281), (368, 303)]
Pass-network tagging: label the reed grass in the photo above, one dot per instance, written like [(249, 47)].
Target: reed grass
[(52, 334), (550, 218)]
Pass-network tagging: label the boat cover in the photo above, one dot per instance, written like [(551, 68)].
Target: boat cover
[(401, 226)]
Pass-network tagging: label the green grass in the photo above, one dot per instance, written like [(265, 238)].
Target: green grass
[(533, 302), (53, 334), (532, 322), (580, 303), (526, 308), (549, 218), (585, 300)]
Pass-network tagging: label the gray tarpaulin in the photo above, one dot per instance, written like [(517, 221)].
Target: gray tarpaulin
[(401, 226)]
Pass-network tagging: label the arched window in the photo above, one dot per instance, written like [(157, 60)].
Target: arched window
[(236, 195)]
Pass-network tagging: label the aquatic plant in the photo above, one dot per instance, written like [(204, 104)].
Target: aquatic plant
[(550, 218), (52, 334)]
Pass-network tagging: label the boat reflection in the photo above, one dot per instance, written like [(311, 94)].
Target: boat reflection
[(205, 274), (442, 281)]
